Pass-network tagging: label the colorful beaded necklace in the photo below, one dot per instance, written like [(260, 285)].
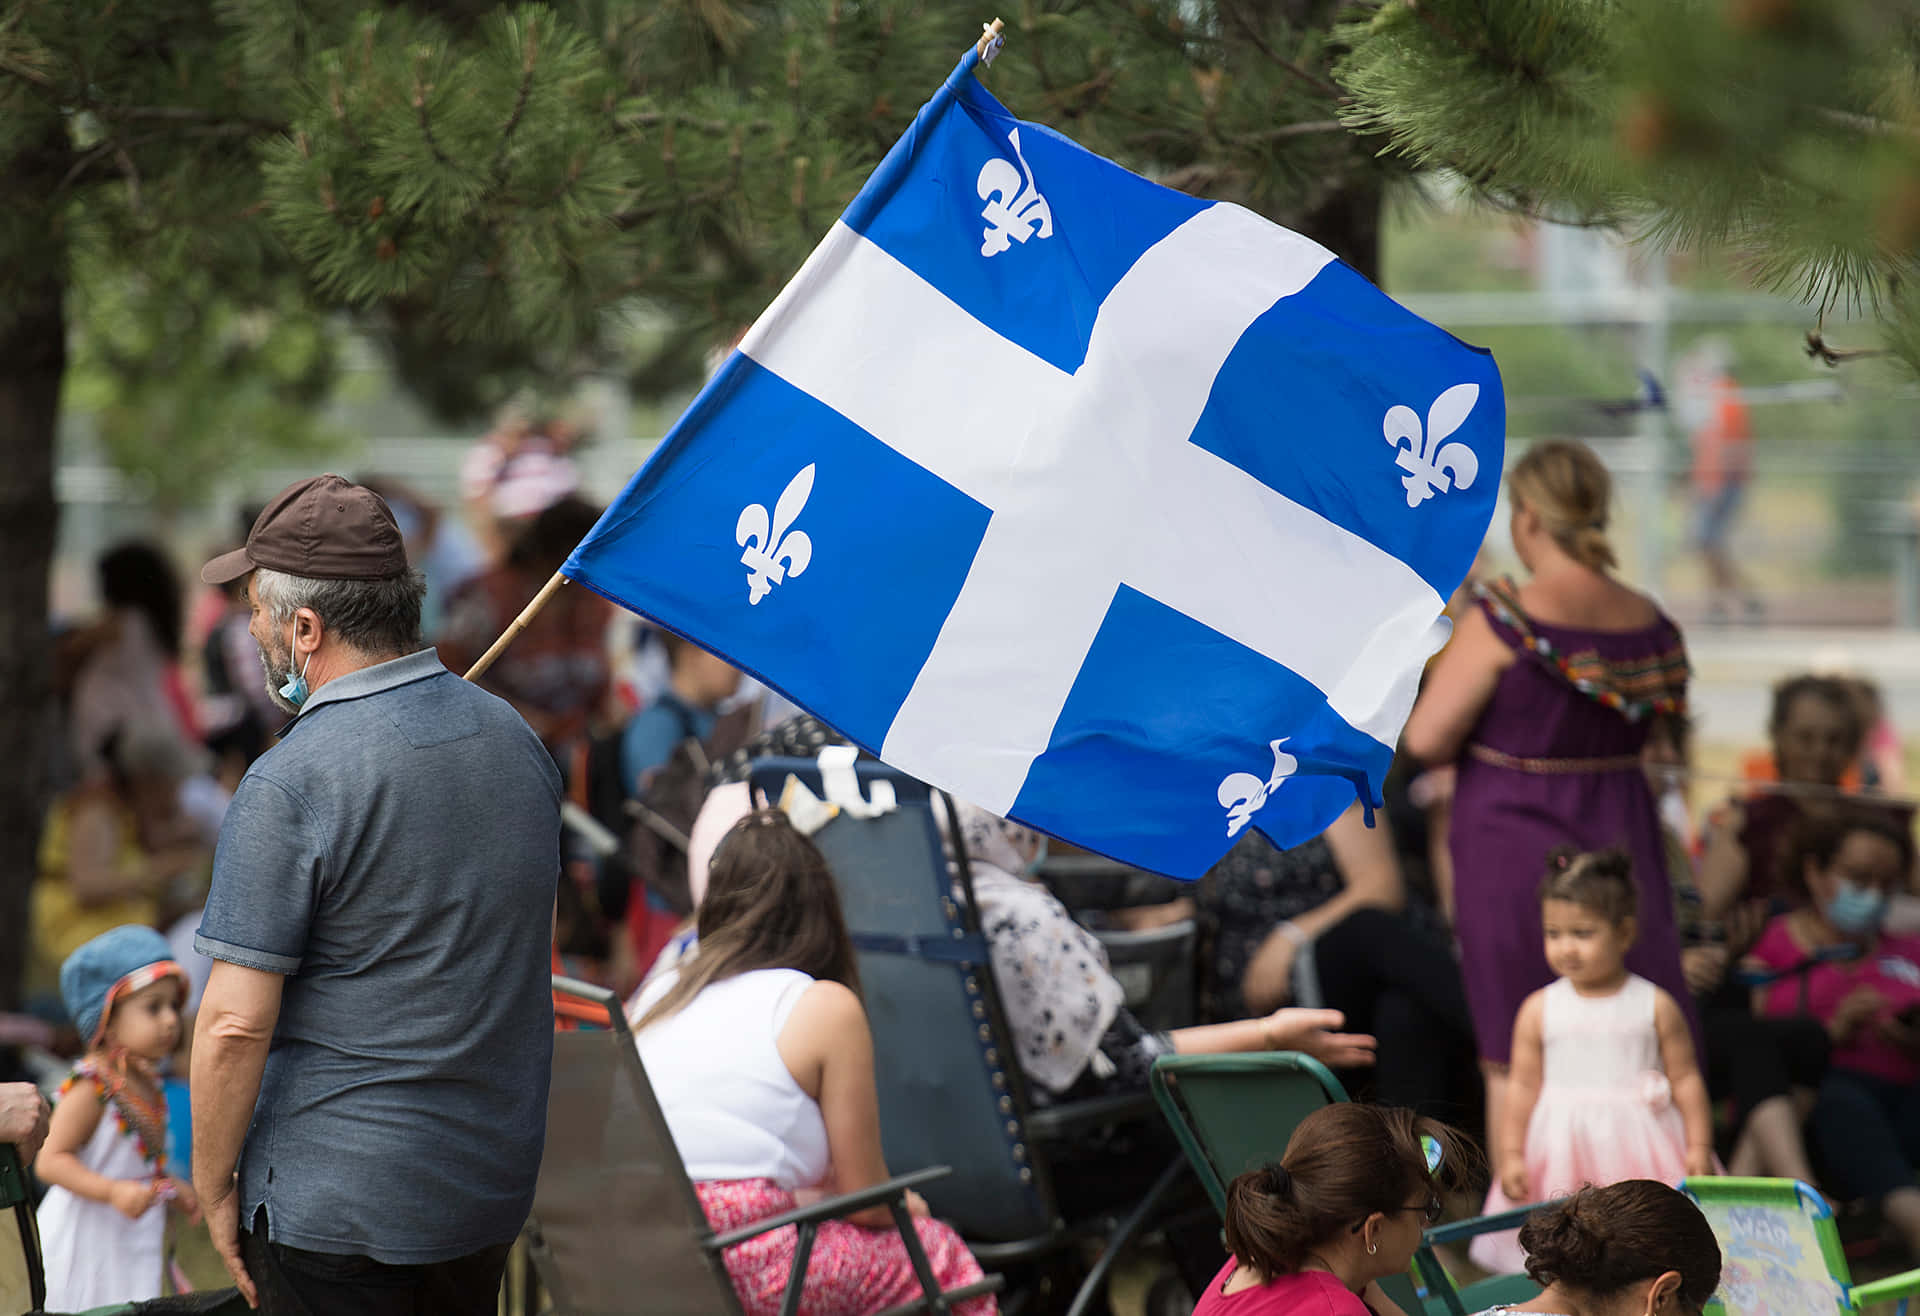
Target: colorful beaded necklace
[(1507, 609), (145, 1118)]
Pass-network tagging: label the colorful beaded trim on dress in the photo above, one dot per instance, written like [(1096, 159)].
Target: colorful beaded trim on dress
[(1635, 688)]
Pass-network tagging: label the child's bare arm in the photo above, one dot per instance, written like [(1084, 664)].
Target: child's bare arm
[(1523, 1092), (1683, 1075), (74, 1120)]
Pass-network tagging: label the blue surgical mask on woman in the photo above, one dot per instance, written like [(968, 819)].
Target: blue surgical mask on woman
[(1039, 860), (1855, 909)]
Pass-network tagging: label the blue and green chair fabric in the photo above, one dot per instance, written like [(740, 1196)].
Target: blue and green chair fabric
[(1780, 1252), (1231, 1113)]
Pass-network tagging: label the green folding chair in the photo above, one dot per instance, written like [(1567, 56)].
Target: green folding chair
[(1780, 1252), (1231, 1113)]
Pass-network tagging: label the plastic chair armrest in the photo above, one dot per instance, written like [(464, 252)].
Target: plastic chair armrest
[(1054, 1122), (1486, 1224), (831, 1208), (1892, 1288)]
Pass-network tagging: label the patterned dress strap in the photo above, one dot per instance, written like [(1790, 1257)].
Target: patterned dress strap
[(1655, 692)]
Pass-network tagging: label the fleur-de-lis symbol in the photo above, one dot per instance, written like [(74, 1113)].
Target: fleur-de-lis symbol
[(772, 554), (1015, 210), (1242, 795), (1428, 459)]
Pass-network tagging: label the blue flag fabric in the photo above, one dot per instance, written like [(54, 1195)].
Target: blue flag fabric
[(1126, 514)]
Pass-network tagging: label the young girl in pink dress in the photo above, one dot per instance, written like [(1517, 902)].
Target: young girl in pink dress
[(1605, 1085)]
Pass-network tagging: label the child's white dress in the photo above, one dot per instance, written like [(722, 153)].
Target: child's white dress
[(1605, 1111), (94, 1255)]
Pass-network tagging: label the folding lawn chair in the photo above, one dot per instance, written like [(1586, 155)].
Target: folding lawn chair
[(1155, 969), (1234, 1112), (1780, 1252), (616, 1227), (951, 1091), (23, 1285)]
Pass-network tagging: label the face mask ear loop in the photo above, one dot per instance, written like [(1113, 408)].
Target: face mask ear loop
[(295, 691)]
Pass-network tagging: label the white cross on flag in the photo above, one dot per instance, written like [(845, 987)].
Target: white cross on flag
[(1123, 513)]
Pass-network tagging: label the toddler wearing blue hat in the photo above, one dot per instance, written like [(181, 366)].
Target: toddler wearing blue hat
[(105, 1157)]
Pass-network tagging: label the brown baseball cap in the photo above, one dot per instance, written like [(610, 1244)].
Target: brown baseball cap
[(325, 528)]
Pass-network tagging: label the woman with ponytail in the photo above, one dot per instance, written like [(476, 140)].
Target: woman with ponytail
[(1634, 1248), (1314, 1232), (1544, 696)]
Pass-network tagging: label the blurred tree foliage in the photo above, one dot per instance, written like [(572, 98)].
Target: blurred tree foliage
[(1785, 131)]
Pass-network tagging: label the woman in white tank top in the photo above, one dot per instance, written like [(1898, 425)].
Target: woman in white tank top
[(759, 1053)]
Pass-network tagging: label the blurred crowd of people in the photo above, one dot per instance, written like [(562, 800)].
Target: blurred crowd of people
[(1733, 960)]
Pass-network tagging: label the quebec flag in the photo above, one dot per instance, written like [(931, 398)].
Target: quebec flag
[(1126, 514)]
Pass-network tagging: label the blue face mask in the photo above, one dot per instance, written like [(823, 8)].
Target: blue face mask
[(294, 690), (1855, 909), (1038, 861)]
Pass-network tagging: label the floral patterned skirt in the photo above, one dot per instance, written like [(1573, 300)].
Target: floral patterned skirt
[(853, 1270)]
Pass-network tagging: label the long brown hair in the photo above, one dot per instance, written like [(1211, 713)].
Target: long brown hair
[(1601, 1240), (1568, 487), (770, 904), (1343, 1163)]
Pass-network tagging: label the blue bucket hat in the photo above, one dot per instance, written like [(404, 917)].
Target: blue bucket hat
[(114, 964)]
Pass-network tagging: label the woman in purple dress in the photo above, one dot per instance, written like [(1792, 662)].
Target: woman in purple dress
[(1544, 697)]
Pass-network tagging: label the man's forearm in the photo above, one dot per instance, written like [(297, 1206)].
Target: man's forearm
[(227, 1065)]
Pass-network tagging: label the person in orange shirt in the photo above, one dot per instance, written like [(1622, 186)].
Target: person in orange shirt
[(1722, 466)]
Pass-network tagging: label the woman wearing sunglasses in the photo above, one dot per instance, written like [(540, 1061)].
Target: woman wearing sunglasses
[(1313, 1232)]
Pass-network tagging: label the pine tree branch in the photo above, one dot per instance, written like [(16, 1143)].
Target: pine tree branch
[(1257, 39), (1479, 49), (655, 118), (527, 63), (337, 101), (182, 114), (631, 219), (32, 77), (114, 146), (426, 126), (1868, 124)]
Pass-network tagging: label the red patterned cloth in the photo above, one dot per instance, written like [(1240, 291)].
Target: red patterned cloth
[(853, 1271)]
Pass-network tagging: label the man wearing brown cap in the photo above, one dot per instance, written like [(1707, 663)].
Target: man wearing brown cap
[(372, 1054)]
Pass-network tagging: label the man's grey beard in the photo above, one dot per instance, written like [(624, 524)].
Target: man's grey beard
[(276, 676)]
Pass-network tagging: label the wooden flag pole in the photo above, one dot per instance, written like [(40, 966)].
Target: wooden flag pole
[(520, 623)]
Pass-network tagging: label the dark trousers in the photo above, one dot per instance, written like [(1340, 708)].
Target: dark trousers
[(1402, 986), (295, 1282), (1753, 1060), (1865, 1134)]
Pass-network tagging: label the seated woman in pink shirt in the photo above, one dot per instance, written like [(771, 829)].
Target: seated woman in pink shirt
[(1313, 1232), (1831, 961)]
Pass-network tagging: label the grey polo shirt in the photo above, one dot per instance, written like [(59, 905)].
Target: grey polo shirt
[(394, 856)]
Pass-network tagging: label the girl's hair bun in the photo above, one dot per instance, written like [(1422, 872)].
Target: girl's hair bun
[(1562, 1245), (1601, 1240)]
